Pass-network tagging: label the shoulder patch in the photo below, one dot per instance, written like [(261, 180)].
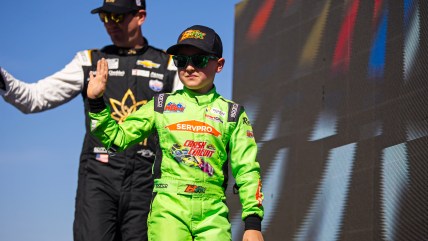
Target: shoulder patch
[(85, 57), (160, 101), (234, 111)]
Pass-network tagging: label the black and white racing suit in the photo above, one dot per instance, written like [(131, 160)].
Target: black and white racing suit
[(114, 192)]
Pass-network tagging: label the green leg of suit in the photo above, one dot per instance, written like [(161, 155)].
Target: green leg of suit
[(181, 217)]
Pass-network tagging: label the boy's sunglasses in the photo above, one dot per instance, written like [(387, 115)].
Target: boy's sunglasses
[(199, 61), (114, 17)]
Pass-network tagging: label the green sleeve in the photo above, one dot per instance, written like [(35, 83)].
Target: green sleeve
[(245, 168), (136, 127)]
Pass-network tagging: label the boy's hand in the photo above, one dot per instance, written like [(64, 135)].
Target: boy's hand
[(97, 84), (252, 235)]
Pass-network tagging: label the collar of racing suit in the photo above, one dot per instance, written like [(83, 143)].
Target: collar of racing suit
[(112, 49), (201, 99)]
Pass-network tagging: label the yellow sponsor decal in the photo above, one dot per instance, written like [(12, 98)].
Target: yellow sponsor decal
[(196, 34), (120, 109), (148, 64)]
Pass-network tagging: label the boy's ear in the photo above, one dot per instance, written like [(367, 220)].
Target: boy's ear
[(141, 16), (220, 64)]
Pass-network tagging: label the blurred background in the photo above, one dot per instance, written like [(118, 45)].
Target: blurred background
[(39, 153)]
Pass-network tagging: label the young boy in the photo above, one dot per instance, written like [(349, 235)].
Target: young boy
[(199, 131)]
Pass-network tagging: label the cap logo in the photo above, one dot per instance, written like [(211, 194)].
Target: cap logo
[(195, 34)]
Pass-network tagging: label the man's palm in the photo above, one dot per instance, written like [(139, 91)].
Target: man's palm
[(97, 83)]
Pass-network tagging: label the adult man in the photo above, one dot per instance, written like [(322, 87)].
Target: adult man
[(113, 194)]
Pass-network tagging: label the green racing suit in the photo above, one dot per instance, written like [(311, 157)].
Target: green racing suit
[(198, 135)]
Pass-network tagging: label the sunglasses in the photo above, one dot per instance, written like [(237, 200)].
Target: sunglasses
[(199, 61), (114, 17)]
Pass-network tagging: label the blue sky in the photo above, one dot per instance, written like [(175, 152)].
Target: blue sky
[(39, 152)]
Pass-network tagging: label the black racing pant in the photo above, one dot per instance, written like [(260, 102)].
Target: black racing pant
[(112, 202)]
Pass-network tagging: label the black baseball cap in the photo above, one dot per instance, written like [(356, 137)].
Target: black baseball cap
[(120, 6), (201, 37)]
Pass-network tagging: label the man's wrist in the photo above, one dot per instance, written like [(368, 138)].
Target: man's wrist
[(253, 222), (96, 105)]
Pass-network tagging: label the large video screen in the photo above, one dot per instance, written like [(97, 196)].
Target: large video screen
[(337, 93)]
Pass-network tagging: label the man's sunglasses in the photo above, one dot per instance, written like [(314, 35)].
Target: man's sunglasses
[(114, 17), (199, 61)]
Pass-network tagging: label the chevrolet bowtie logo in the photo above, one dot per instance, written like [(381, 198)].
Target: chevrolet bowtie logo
[(148, 64)]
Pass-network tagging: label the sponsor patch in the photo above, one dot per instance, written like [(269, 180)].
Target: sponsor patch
[(113, 63), (250, 134), (100, 150), (190, 156), (214, 118), (148, 64), (195, 189), (173, 107), (195, 127), (140, 72), (195, 34), (119, 73), (156, 75), (85, 57), (160, 100), (246, 121), (199, 148), (161, 185), (216, 111), (122, 108), (156, 85), (234, 111)]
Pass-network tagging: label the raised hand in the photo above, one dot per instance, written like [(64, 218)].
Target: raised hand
[(97, 83)]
